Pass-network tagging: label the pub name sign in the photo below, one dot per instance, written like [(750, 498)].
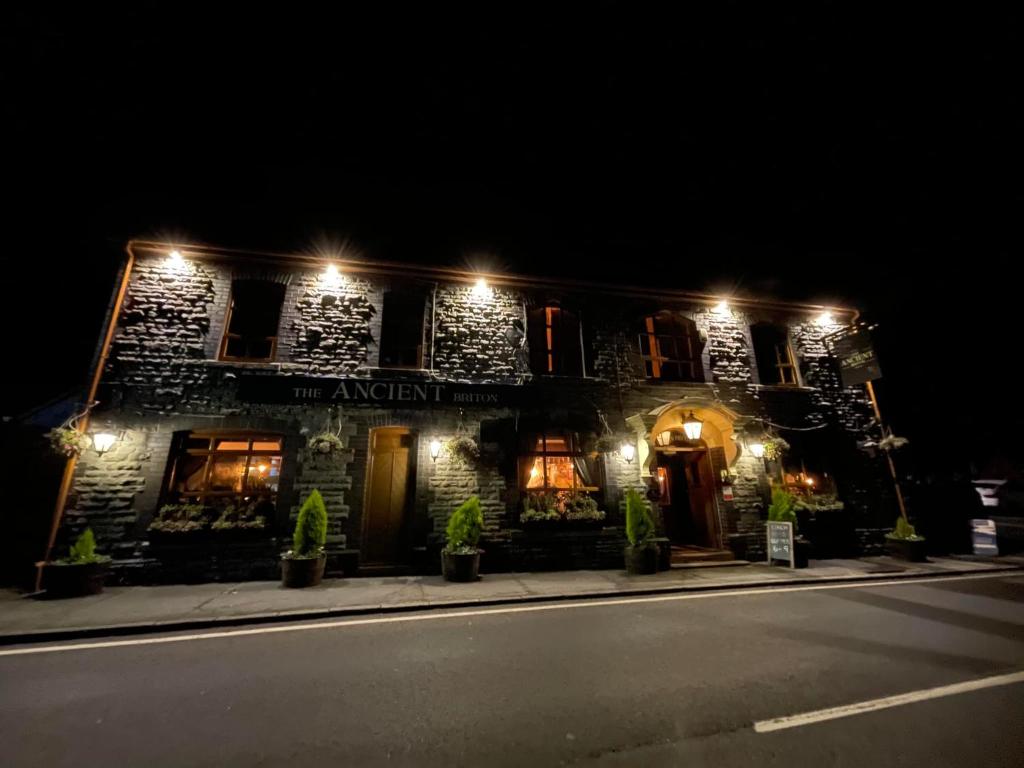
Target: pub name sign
[(405, 394)]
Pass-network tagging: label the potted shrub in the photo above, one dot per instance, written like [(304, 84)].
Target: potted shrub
[(460, 558), (641, 552), (303, 565), (904, 543), (782, 510), (82, 572)]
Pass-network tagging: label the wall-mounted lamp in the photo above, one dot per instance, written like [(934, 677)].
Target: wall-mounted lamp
[(628, 451), (435, 449), (103, 441), (721, 308), (332, 275), (825, 318), (756, 449), (481, 290), (176, 262), (692, 426)]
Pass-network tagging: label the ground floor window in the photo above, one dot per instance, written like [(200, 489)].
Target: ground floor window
[(557, 479), (218, 470)]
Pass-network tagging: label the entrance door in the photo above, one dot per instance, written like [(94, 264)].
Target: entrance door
[(385, 512), (690, 516)]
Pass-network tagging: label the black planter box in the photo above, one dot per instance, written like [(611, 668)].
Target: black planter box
[(74, 580), (642, 559), (911, 550), (460, 567)]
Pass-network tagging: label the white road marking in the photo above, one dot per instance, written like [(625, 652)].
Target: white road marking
[(873, 705), (439, 615)]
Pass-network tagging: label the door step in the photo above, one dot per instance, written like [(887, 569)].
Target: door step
[(700, 555)]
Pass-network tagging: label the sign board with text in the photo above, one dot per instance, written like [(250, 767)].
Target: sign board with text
[(856, 356), (780, 543), (983, 537), (401, 393)]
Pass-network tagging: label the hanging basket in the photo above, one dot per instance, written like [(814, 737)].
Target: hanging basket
[(327, 442)]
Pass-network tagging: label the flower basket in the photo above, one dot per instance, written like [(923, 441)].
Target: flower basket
[(325, 444), (463, 451)]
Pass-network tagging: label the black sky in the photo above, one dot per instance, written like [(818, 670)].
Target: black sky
[(836, 154)]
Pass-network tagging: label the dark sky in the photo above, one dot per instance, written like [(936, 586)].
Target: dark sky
[(834, 155)]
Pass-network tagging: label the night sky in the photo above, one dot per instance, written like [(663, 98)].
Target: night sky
[(835, 156)]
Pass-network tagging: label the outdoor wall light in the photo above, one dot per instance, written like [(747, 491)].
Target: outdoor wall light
[(176, 262), (435, 449), (757, 450), (692, 426), (103, 441), (721, 308), (628, 451), (332, 275), (481, 289), (825, 318)]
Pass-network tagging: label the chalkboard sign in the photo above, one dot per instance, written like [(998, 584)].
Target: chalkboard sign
[(983, 537), (780, 543)]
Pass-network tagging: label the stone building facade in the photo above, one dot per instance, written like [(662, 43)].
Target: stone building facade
[(224, 367)]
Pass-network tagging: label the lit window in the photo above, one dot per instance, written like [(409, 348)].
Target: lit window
[(555, 462), (217, 469), (250, 333)]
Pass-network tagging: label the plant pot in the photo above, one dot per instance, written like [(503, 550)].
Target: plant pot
[(456, 567), (664, 546), (74, 580), (801, 552), (911, 550), (738, 545), (297, 573), (641, 559)]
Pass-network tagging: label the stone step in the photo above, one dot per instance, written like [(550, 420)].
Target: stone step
[(686, 555)]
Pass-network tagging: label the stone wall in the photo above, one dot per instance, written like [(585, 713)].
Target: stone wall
[(335, 327), (479, 337)]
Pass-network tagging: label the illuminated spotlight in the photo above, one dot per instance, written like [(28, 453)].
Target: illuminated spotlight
[(332, 275), (825, 318), (757, 450), (721, 308), (481, 290)]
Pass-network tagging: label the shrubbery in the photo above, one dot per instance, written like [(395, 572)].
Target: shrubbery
[(639, 523), (464, 527), (310, 528)]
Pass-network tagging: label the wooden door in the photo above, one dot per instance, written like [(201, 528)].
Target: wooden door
[(701, 487), (385, 512)]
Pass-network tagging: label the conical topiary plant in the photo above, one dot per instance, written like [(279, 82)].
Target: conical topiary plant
[(310, 527), (464, 527), (639, 523)]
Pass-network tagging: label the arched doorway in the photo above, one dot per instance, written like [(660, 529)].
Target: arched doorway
[(687, 473)]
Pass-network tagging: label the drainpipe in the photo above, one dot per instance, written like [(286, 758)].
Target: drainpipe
[(113, 312), (433, 327)]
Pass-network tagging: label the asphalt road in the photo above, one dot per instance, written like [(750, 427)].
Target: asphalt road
[(667, 681)]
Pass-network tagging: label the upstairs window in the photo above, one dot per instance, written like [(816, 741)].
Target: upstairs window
[(775, 362), (218, 469), (254, 311), (555, 462), (670, 348), (554, 338), (401, 331)]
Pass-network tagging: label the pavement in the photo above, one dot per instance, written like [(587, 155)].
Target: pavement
[(910, 672), (132, 610)]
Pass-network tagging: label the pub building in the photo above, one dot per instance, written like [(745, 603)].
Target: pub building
[(230, 384)]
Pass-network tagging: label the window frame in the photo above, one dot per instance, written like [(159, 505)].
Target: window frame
[(403, 295), (222, 351), (651, 347), (574, 451), (204, 495), (560, 329), (783, 362)]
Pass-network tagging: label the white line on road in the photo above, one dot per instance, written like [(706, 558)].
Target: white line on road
[(873, 705), (439, 615)]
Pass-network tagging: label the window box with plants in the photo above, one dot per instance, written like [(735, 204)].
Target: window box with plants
[(904, 543), (641, 553), (561, 510), (195, 529), (82, 572), (460, 558), (303, 565)]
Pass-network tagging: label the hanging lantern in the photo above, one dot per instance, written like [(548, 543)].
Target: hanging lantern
[(692, 427)]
